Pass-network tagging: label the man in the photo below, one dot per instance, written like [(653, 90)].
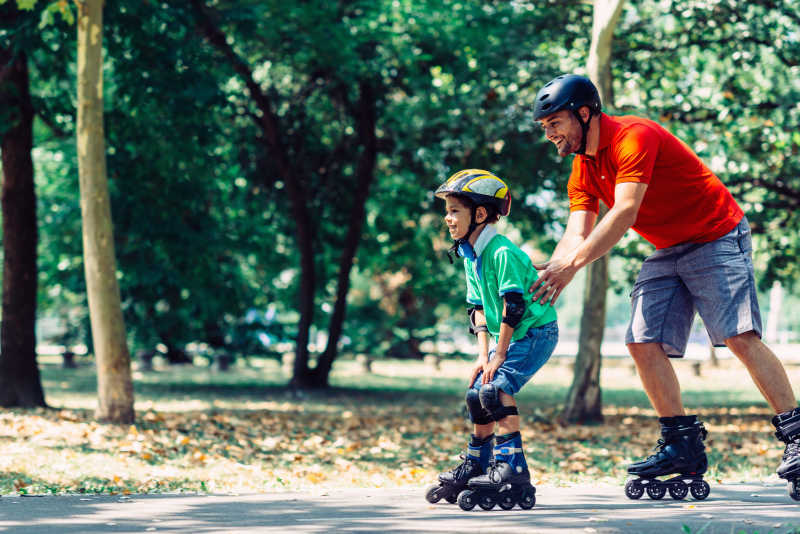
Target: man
[(654, 183)]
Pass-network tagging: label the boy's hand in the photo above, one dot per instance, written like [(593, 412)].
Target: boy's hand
[(491, 368), (480, 365)]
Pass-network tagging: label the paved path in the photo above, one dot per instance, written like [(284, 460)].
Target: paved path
[(735, 508)]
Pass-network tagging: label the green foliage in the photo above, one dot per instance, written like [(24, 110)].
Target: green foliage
[(727, 87), (201, 216)]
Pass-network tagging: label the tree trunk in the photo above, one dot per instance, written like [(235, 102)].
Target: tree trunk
[(269, 125), (584, 400), (20, 384), (114, 385), (365, 175)]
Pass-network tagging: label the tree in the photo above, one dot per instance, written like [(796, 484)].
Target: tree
[(584, 399), (337, 93), (20, 384), (114, 383)]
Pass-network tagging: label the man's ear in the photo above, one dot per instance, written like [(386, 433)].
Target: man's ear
[(585, 113), (481, 214)]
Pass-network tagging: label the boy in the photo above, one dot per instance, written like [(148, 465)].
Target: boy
[(526, 332)]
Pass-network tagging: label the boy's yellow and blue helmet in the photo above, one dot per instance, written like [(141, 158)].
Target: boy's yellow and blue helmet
[(482, 187)]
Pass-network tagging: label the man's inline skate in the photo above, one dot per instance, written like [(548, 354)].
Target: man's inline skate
[(787, 425), (507, 481), (451, 483), (680, 452)]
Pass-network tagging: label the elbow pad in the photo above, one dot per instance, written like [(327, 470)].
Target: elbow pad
[(515, 309), (474, 328)]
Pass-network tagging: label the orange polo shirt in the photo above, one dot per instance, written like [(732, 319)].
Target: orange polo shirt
[(684, 201)]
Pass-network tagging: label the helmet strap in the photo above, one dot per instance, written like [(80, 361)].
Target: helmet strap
[(473, 224), (584, 129)]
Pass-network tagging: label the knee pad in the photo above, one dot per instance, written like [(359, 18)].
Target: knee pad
[(477, 414), (489, 396)]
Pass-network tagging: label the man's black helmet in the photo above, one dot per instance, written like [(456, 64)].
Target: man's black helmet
[(568, 91)]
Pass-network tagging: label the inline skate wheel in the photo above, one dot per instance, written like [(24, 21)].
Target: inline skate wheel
[(700, 489), (656, 491), (794, 489), (434, 493), (466, 500), (528, 498), (506, 501), (678, 490), (634, 489), (486, 502)]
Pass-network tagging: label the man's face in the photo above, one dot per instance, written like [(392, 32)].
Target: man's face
[(457, 217), (563, 130)]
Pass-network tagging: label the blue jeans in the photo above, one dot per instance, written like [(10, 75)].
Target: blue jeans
[(715, 279), (523, 358)]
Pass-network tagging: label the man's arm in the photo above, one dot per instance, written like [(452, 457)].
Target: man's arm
[(565, 262), (579, 226)]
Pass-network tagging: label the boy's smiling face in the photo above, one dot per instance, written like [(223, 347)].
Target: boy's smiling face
[(457, 217)]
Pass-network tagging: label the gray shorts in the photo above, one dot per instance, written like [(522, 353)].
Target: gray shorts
[(715, 279)]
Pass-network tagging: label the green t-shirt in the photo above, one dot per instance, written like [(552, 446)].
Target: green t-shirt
[(500, 268)]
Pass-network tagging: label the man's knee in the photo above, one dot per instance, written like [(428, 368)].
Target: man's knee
[(644, 351), (742, 344)]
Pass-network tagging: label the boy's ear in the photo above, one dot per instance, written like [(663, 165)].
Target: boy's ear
[(481, 214)]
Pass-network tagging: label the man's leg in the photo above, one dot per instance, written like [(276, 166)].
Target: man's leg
[(658, 378), (765, 369)]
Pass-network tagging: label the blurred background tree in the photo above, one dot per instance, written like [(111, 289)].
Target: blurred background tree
[(271, 164)]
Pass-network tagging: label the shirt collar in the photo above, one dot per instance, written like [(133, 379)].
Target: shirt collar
[(486, 235), (608, 127)]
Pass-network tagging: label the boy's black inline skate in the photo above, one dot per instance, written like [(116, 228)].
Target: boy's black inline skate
[(787, 425), (681, 453), (451, 483), (507, 481)]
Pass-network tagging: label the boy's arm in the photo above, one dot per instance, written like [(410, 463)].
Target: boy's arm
[(478, 326), (483, 334), (513, 310)]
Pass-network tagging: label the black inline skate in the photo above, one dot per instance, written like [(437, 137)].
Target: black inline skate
[(507, 481), (680, 452), (479, 453), (787, 425)]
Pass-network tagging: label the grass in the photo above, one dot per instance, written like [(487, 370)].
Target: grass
[(198, 429)]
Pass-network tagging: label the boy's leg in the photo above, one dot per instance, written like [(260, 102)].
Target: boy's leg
[(476, 459), (507, 481), (509, 423)]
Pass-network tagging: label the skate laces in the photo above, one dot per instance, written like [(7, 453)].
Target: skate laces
[(792, 449), (464, 466), (660, 447)]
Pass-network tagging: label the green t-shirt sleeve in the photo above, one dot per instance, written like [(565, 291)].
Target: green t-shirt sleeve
[(511, 271), (473, 291)]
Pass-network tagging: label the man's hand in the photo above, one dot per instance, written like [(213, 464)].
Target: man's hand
[(491, 368), (480, 366), (554, 276)]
